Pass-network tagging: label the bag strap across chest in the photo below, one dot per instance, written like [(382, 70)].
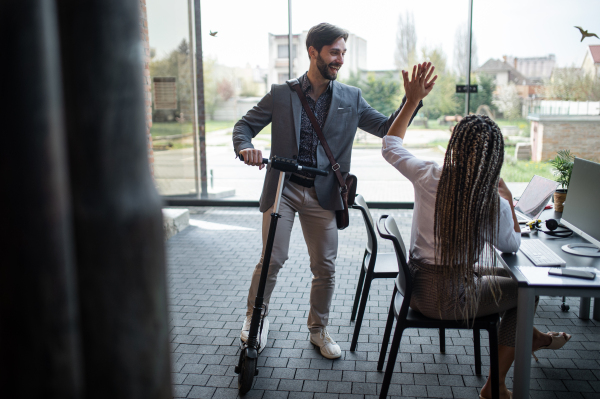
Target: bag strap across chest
[(295, 85)]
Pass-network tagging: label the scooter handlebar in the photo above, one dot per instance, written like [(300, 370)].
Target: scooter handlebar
[(313, 170), (264, 160), (289, 165)]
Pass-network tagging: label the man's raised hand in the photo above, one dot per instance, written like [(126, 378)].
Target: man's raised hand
[(252, 157), (421, 83)]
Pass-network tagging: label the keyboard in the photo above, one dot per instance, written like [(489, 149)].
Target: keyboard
[(539, 254), (522, 218)]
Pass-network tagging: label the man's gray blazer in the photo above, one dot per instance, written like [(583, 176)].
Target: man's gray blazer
[(281, 106)]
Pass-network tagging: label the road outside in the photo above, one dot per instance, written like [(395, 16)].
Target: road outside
[(377, 180)]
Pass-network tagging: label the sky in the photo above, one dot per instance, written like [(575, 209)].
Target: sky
[(521, 28)]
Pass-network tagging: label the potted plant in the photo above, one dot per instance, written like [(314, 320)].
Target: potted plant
[(562, 166)]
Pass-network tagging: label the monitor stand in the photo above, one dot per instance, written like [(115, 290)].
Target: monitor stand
[(582, 249)]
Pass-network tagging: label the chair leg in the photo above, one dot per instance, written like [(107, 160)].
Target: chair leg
[(359, 286), (477, 347), (442, 340), (389, 370), (364, 297), (494, 362), (386, 334)]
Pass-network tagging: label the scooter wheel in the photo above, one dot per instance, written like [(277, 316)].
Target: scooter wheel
[(247, 373)]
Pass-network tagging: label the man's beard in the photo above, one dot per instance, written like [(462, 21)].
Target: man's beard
[(324, 68)]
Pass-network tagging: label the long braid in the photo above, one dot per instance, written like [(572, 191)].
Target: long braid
[(467, 208)]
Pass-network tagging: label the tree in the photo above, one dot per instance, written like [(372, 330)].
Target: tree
[(177, 64), (508, 102), (211, 95), (461, 50), (185, 82), (382, 93), (406, 41), (183, 47), (441, 100), (594, 90), (571, 84), (484, 95), (250, 88), (225, 89)]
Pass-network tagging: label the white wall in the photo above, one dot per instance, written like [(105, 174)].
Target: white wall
[(502, 78)]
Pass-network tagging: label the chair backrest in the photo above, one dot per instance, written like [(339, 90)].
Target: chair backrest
[(360, 203), (388, 229)]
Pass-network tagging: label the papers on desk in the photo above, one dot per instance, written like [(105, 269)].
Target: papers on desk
[(539, 276)]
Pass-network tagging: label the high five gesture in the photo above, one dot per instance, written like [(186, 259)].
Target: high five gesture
[(416, 89), (421, 83)]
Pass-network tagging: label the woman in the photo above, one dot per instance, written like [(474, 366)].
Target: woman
[(460, 209)]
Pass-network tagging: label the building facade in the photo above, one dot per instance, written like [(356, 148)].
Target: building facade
[(552, 133), (506, 72), (535, 69), (591, 61)]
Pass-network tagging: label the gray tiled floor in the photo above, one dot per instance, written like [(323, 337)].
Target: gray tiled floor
[(209, 270)]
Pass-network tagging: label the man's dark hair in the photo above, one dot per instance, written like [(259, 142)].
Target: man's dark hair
[(324, 34)]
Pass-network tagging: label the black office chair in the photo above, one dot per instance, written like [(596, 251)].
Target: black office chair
[(373, 266), (409, 318)]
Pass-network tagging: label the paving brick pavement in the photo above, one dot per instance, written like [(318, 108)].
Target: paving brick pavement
[(209, 268)]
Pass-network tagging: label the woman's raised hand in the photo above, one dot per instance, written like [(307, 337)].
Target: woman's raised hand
[(504, 192), (416, 90), (421, 82)]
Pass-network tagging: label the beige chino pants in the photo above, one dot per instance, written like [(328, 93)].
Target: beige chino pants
[(321, 236)]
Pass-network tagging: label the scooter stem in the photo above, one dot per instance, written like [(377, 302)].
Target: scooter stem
[(258, 303), (279, 191)]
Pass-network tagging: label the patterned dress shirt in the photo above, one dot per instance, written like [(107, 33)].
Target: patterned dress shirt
[(309, 141)]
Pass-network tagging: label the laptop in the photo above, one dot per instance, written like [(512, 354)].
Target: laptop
[(534, 199)]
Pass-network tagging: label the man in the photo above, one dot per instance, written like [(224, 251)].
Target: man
[(340, 110)]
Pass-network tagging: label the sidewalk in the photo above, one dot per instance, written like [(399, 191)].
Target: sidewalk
[(209, 268)]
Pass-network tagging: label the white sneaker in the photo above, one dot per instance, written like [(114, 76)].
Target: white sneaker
[(329, 348), (262, 341)]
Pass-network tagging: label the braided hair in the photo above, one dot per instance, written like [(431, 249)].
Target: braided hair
[(467, 209)]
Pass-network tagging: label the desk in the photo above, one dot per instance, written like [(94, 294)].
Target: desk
[(534, 282)]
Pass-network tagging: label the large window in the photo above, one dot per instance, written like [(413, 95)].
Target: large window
[(386, 37), (527, 62), (545, 94), (173, 107)]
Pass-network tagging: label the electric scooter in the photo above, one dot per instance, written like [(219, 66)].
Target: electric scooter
[(246, 368)]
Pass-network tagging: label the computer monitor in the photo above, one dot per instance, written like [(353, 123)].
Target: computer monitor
[(582, 207)]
